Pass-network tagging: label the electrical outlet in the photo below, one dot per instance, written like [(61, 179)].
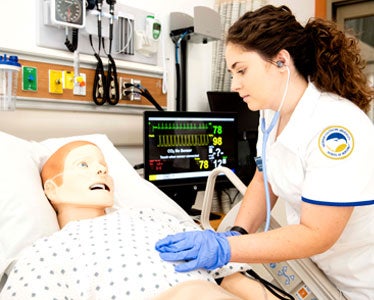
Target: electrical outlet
[(136, 96), (55, 82), (130, 92), (80, 85), (123, 90)]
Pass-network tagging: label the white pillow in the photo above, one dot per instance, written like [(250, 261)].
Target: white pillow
[(25, 213)]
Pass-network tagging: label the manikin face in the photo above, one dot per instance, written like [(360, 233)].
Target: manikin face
[(256, 80), (86, 182)]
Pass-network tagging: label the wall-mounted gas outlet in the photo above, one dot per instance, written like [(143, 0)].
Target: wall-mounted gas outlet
[(29, 79), (67, 80), (129, 92), (55, 82)]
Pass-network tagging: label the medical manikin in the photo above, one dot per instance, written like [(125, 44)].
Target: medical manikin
[(77, 183)]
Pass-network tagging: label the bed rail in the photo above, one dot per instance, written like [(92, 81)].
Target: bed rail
[(209, 192)]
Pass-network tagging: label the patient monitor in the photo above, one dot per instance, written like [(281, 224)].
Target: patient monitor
[(182, 148), (247, 129)]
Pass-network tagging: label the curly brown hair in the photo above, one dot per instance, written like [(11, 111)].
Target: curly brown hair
[(320, 51)]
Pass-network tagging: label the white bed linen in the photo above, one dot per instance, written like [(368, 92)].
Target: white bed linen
[(109, 257)]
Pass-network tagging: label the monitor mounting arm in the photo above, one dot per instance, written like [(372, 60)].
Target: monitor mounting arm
[(204, 27)]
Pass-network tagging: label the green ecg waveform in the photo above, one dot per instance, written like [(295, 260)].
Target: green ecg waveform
[(180, 126)]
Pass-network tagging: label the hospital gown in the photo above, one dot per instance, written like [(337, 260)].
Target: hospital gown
[(109, 257)]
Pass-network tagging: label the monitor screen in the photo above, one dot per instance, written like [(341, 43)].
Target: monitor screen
[(181, 148), (231, 101), (247, 129)]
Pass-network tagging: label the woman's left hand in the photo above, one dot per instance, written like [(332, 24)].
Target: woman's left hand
[(201, 249)]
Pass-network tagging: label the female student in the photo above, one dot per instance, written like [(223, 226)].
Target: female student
[(316, 146)]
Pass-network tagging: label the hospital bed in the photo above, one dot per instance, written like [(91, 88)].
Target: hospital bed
[(26, 216)]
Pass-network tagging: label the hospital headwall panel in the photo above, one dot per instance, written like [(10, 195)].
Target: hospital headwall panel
[(47, 103)]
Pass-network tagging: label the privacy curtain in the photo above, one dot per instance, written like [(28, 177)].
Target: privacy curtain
[(230, 11)]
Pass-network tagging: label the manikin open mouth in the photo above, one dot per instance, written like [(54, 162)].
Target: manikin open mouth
[(99, 186)]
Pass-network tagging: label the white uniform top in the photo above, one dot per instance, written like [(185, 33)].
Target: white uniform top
[(325, 156)]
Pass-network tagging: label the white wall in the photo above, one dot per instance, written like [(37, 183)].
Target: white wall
[(303, 10), (19, 33), (199, 79)]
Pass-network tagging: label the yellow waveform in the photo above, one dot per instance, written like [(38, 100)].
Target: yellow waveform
[(184, 140)]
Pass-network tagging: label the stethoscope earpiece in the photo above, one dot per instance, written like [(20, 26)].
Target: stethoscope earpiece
[(279, 64)]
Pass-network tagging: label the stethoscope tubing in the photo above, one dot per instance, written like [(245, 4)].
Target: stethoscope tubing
[(266, 132)]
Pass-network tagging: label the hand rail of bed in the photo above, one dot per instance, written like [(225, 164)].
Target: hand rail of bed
[(209, 191)]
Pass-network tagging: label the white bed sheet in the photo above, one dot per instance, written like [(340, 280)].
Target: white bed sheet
[(110, 257)]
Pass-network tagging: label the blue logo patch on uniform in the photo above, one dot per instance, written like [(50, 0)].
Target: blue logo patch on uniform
[(336, 142)]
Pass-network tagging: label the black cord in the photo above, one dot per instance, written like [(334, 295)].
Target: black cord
[(177, 39), (99, 87), (111, 4), (144, 92), (99, 4), (112, 86), (90, 4), (148, 96), (276, 291), (178, 91), (232, 199), (112, 82), (139, 166), (72, 46)]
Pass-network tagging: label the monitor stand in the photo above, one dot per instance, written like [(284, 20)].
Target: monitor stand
[(246, 154), (185, 197)]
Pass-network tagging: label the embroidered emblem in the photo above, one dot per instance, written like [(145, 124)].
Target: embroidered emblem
[(336, 142)]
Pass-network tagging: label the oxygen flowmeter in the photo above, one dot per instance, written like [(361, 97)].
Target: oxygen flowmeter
[(153, 28)]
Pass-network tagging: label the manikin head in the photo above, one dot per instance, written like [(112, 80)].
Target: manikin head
[(76, 181)]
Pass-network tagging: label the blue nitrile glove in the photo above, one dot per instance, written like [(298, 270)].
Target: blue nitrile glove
[(201, 249)]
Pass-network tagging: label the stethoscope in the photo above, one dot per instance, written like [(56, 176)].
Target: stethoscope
[(266, 132)]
